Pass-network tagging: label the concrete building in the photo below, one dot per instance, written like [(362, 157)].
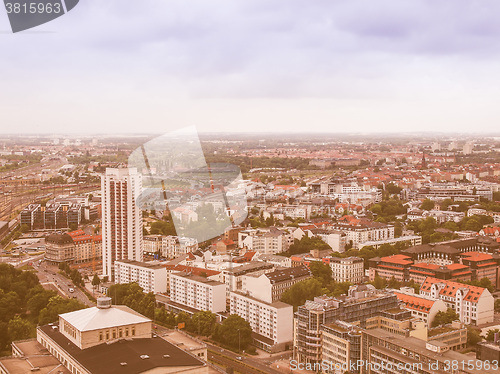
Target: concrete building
[(87, 247), (349, 269), (121, 218), (150, 277), (175, 246), (197, 292), (272, 323), (340, 345), (474, 305)]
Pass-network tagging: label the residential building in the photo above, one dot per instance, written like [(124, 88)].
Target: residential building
[(474, 305), (150, 277), (233, 276), (278, 261), (483, 265), (266, 241), (349, 269), (121, 217), (409, 240), (152, 244), (87, 247), (453, 335), (197, 292), (271, 322), (175, 246), (269, 287), (359, 231)]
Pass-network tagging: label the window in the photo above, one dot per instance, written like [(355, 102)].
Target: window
[(100, 336), (133, 331)]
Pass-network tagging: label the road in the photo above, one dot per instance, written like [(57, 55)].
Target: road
[(49, 275), (247, 364)]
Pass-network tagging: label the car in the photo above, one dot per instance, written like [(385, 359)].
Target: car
[(71, 290), (239, 358)]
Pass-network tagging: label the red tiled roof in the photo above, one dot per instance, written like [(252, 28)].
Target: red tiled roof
[(451, 288), (397, 259), (414, 302), (476, 256), (249, 255)]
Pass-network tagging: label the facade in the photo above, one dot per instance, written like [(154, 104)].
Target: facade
[(197, 292), (340, 345), (474, 305), (59, 248), (272, 321), (361, 303), (407, 239), (152, 244), (350, 269), (265, 241), (361, 231), (269, 287), (87, 248), (233, 277), (174, 246), (150, 277), (121, 218)]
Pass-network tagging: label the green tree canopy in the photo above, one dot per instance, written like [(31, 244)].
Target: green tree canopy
[(443, 318), (234, 332)]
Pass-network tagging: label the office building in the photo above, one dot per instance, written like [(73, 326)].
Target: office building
[(349, 269), (59, 248)]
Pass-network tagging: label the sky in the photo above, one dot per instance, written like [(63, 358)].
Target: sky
[(153, 66)]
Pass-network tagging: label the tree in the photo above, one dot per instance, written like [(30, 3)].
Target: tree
[(235, 332), (443, 318), (473, 337), (24, 228), (321, 271), (57, 305), (96, 281), (490, 336), (19, 329), (302, 291), (203, 323), (427, 204), (497, 305), (379, 282)]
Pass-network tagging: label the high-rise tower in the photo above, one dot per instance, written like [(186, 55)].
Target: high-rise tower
[(121, 218)]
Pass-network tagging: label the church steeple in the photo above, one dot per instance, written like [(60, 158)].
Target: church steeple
[(424, 163)]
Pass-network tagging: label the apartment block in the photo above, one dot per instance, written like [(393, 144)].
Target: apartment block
[(150, 277), (271, 322), (121, 217), (197, 292)]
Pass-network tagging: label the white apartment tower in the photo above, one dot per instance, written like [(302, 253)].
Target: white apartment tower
[(121, 218)]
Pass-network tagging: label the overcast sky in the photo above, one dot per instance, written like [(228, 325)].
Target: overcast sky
[(113, 66)]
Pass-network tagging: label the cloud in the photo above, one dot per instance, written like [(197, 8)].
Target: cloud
[(115, 55)]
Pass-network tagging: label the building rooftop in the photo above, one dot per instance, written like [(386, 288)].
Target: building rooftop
[(142, 264), (126, 356), (276, 304), (284, 275), (96, 318), (197, 278)]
